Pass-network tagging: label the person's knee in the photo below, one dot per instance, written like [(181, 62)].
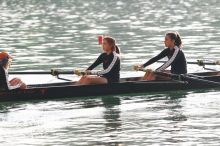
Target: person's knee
[(88, 80), (15, 81), (82, 79), (19, 80)]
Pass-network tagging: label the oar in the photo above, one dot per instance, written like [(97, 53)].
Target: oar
[(63, 78), (40, 72), (200, 62), (30, 72), (185, 77), (53, 72)]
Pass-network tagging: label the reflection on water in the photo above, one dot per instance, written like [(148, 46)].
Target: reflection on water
[(112, 113), (114, 120), (112, 117), (46, 34), (113, 123)]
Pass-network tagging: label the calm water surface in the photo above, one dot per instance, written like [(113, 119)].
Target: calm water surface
[(45, 34)]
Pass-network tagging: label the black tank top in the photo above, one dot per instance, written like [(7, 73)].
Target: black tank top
[(111, 66), (177, 61), (3, 79)]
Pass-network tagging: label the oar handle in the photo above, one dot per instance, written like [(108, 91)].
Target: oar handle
[(55, 72), (138, 68), (217, 62), (203, 63)]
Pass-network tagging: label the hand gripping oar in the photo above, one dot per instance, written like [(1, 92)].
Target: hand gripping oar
[(184, 77), (203, 63), (56, 73)]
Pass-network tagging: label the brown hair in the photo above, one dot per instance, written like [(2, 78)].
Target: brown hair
[(111, 41), (4, 62), (176, 37)]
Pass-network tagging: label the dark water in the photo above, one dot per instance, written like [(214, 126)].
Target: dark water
[(45, 34)]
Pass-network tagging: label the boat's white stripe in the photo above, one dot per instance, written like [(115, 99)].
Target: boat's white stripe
[(110, 66), (170, 61)]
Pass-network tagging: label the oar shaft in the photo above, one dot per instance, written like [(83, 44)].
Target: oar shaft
[(198, 62), (201, 81), (52, 72), (63, 79), (40, 73), (32, 72), (191, 78)]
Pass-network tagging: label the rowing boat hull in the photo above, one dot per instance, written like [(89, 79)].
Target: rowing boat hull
[(66, 90), (86, 90)]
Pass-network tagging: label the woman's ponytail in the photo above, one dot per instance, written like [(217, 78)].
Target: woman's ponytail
[(117, 49)]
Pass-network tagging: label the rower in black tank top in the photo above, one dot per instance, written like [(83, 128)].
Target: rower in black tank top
[(3, 79), (176, 59), (111, 66), (110, 61)]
